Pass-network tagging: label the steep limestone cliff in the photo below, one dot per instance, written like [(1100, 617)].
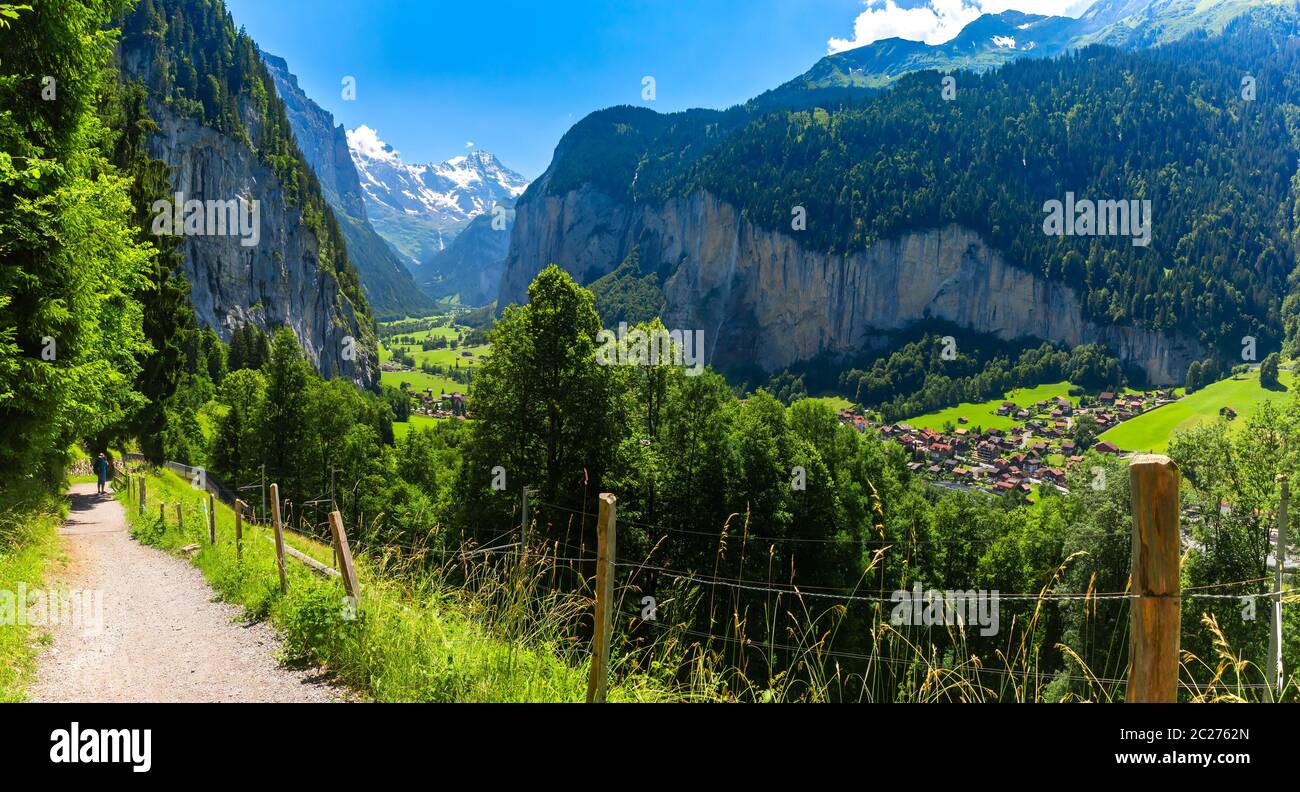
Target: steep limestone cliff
[(276, 282), (287, 277), (761, 298)]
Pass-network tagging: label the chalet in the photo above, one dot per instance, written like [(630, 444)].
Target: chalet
[(1106, 398), (1007, 408), (1107, 447), (1055, 475), (1228, 412), (940, 451)]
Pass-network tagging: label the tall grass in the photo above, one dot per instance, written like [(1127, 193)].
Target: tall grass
[(29, 524), (435, 628), (412, 636)]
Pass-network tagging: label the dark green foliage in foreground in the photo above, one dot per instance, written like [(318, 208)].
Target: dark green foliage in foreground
[(71, 258)]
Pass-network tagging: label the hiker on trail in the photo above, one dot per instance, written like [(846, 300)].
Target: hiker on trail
[(101, 470)]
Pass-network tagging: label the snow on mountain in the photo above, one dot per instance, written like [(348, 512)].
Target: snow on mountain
[(420, 208)]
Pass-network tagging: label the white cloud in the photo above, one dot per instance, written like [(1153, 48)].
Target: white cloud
[(937, 21), (469, 144), (365, 141)]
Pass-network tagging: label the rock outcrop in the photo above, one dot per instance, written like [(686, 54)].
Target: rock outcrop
[(761, 298), (277, 281)]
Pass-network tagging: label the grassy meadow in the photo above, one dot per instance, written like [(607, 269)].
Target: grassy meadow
[(985, 414), (419, 380), (1152, 431), (29, 540)]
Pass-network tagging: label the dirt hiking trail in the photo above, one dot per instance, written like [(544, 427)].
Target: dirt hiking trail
[(163, 637)]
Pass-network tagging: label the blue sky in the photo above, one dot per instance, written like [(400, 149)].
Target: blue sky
[(512, 76)]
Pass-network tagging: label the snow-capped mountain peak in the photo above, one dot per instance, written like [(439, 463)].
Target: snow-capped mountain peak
[(446, 195)]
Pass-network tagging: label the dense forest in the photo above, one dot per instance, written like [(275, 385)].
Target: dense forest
[(1172, 125), (919, 377)]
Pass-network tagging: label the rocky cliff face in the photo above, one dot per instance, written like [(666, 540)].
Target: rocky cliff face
[(389, 288), (275, 282), (761, 298)]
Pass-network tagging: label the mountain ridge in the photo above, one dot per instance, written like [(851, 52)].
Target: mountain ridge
[(857, 170), (389, 287), (420, 208), (995, 39)]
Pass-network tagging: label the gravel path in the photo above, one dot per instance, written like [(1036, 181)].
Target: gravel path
[(163, 636)]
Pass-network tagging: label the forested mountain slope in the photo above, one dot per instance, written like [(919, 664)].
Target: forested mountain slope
[(944, 202), (993, 40), (224, 132)]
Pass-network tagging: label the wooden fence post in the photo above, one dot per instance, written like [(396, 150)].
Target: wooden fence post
[(606, 537), (144, 494), (279, 537), (523, 530), (1273, 663), (239, 529), (162, 513), (1155, 624), (180, 518), (212, 519), (346, 568)]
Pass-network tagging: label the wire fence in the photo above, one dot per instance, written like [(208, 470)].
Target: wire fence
[(582, 559)]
